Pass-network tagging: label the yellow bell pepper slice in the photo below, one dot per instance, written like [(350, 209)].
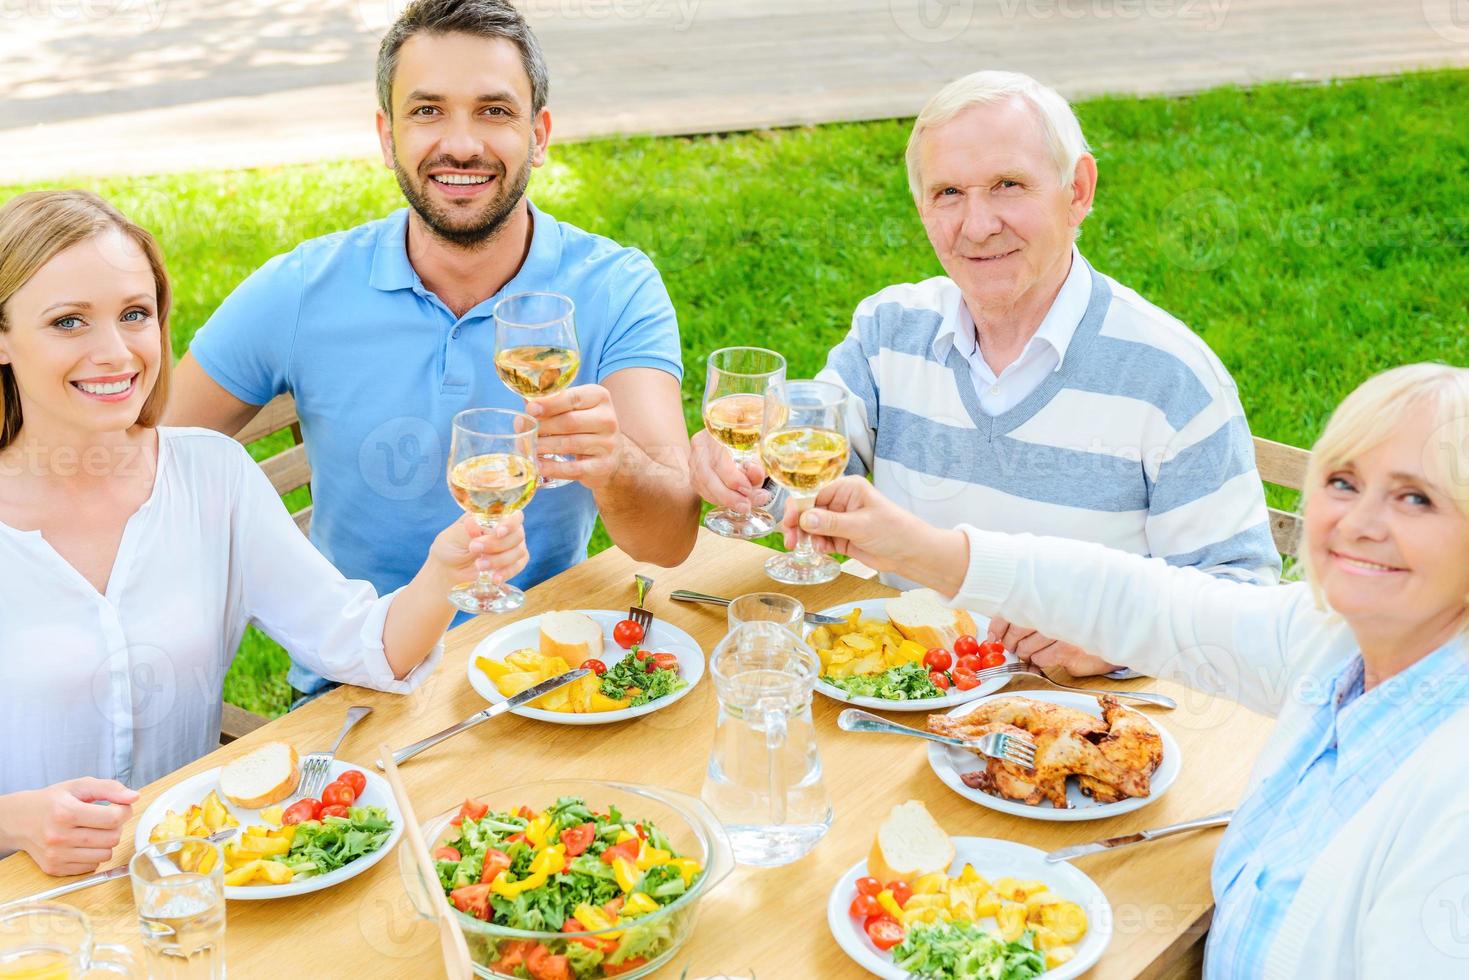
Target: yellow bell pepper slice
[(639, 904), (890, 904), (625, 836), (627, 876), (687, 867), (591, 917), (550, 861), (537, 830), (931, 884), (649, 856), (510, 889)]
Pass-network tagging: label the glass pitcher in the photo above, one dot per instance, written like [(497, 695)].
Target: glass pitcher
[(764, 780)]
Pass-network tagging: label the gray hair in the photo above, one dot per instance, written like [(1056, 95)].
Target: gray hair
[(1062, 131), (482, 18)]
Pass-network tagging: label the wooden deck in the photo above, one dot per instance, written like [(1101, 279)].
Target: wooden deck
[(164, 86)]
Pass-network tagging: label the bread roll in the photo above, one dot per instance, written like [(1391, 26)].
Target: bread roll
[(922, 616), (572, 636), (265, 776)]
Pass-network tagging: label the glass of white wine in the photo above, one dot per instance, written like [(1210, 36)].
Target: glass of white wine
[(492, 474), (803, 445), (536, 353), (734, 404)]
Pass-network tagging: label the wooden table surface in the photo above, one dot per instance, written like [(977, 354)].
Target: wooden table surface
[(766, 923)]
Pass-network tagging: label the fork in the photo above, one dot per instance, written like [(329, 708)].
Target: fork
[(1009, 748), (1027, 677), (684, 595), (317, 765), (637, 613)]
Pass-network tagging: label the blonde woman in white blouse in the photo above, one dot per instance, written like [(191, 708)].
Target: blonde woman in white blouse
[(133, 557), (1349, 854)]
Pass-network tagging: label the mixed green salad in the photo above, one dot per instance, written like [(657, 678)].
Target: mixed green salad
[(906, 682), (569, 870), (963, 951), (641, 677), (322, 846)]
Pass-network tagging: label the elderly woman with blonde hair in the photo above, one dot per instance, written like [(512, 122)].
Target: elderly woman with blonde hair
[(1349, 855)]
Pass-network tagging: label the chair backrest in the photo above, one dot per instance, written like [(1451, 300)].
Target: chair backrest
[(288, 469), (1284, 466)]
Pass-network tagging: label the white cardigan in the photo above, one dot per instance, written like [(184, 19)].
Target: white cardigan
[(1389, 895)]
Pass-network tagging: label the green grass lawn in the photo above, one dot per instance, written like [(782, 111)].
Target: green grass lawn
[(1313, 235)]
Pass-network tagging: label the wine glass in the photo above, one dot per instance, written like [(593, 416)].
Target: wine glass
[(803, 445), (492, 474), (734, 404), (536, 353)]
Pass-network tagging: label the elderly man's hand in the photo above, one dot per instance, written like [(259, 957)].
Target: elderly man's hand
[(579, 422), (721, 480), (1039, 649)]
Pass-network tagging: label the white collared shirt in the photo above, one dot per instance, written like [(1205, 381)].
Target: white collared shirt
[(127, 684), (1042, 354)]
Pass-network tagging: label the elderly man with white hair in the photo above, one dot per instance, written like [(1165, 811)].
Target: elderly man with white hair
[(1026, 391)]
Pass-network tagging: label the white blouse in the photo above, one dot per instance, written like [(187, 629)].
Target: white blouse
[(128, 685)]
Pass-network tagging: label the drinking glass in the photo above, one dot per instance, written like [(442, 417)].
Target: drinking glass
[(734, 404), (764, 778), (178, 888), (804, 447), (536, 353), (55, 942), (492, 474), (767, 607)]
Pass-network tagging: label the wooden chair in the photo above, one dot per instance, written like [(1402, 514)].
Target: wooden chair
[(288, 470)]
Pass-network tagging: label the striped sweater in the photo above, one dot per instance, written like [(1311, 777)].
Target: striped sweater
[(1136, 441)]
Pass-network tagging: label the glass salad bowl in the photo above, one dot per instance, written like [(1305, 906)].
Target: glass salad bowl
[(667, 853)]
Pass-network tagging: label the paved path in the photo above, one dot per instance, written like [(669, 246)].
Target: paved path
[(141, 86)]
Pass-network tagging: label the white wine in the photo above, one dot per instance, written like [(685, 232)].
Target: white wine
[(494, 484), (536, 371), (735, 420), (806, 459), (36, 963)]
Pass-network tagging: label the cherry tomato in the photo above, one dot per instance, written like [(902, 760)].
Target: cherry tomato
[(307, 809), (495, 862), (992, 646), (937, 659), (626, 633), (901, 892), (993, 658), (868, 886), (940, 680), (865, 905), (354, 779), (965, 679), (641, 654), (334, 810), (666, 661), (544, 966), (595, 666), (966, 646), (338, 794), (969, 661), (472, 899), (524, 811), (577, 839), (885, 932), (627, 850), (446, 853)]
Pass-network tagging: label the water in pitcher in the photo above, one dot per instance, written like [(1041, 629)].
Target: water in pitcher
[(764, 779)]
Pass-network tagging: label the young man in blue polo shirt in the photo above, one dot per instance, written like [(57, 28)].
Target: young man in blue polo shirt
[(383, 332)]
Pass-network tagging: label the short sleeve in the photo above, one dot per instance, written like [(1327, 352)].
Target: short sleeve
[(246, 344), (642, 327)]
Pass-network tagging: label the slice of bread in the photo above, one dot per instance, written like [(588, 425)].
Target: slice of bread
[(265, 776), (572, 636), (909, 844), (923, 617)]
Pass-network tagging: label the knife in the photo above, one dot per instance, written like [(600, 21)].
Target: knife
[(118, 872), (499, 708), (1127, 840)]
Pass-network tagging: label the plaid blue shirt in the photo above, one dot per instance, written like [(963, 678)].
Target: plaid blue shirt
[(1349, 748)]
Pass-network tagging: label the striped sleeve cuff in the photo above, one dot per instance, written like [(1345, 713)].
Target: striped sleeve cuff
[(990, 577)]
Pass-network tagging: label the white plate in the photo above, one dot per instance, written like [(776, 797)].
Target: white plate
[(527, 633), (949, 762), (192, 791), (992, 859), (875, 609)]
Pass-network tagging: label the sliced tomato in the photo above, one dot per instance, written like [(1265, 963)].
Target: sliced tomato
[(495, 862), (447, 853), (940, 679), (456, 822), (643, 834), (666, 661), (627, 850), (354, 779), (516, 839), (614, 907), (544, 966), (884, 932), (335, 810), (526, 812), (473, 900), (868, 886), (306, 809), (965, 679), (512, 954), (470, 810), (595, 666), (626, 966), (577, 839), (590, 942), (965, 646)]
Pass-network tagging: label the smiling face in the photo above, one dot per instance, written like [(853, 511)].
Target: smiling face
[(462, 139), (1387, 541), (83, 340), (996, 211)]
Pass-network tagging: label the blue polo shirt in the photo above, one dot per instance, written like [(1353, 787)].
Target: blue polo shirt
[(379, 366)]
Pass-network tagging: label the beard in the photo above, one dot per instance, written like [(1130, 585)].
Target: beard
[(444, 224)]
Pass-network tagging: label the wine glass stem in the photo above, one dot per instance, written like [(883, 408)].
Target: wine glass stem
[(804, 553), (485, 585)]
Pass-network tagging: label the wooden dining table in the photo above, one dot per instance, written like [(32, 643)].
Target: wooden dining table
[(766, 923)]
